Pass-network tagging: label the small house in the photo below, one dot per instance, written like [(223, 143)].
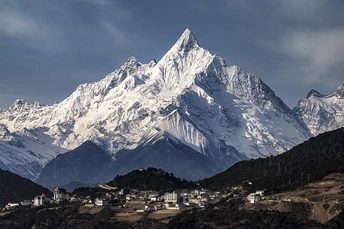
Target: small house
[(253, 197), (40, 200), (60, 194)]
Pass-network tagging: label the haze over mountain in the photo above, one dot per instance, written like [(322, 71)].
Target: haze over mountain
[(189, 113)]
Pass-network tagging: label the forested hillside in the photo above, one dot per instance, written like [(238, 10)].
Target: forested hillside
[(307, 162), (151, 179)]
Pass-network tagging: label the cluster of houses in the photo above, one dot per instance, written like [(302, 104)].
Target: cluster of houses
[(168, 200), (153, 200), (59, 194)]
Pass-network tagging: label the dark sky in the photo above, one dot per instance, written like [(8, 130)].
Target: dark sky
[(48, 48)]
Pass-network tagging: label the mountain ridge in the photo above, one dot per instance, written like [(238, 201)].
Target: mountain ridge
[(190, 97)]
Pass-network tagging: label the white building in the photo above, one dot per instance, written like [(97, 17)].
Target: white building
[(253, 197), (156, 199), (40, 200), (172, 197), (26, 203), (75, 199), (11, 206), (149, 208), (101, 202), (196, 192), (260, 192), (174, 206), (60, 194)]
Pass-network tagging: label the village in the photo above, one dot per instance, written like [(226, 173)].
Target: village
[(130, 205), (141, 201)]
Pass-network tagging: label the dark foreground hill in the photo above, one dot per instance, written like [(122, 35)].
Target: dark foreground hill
[(151, 179), (307, 162), (142, 179), (14, 188)]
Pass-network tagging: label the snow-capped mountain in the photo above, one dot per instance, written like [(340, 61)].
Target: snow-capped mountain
[(190, 99), (320, 112), (25, 151)]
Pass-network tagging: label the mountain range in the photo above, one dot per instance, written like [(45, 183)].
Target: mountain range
[(188, 113)]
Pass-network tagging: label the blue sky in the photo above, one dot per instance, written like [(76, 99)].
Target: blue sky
[(48, 48)]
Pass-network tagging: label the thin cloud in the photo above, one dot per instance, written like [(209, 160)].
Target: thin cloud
[(28, 29), (42, 25), (320, 51), (13, 23), (116, 34), (111, 17), (307, 33), (110, 9), (17, 24)]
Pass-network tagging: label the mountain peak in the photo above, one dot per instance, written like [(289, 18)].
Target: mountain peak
[(18, 104), (314, 93), (187, 41), (340, 90), (19, 101), (130, 66), (131, 62)]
